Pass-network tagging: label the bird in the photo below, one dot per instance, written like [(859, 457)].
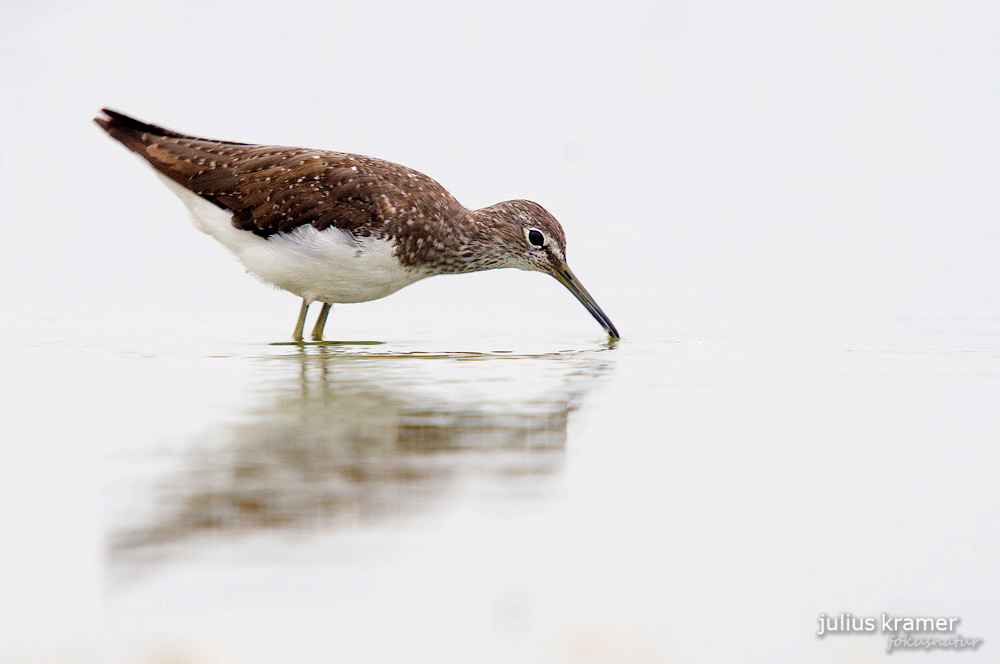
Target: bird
[(334, 227)]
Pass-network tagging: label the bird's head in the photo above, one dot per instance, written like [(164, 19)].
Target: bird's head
[(532, 239)]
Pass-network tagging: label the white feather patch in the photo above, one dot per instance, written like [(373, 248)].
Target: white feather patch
[(329, 266)]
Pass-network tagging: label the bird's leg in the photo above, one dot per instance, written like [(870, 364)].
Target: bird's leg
[(317, 333), (297, 334)]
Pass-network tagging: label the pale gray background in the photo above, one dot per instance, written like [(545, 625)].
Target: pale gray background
[(790, 210)]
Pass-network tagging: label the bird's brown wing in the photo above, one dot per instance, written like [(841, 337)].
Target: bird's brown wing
[(277, 189)]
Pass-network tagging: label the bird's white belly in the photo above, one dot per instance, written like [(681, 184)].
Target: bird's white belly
[(330, 265)]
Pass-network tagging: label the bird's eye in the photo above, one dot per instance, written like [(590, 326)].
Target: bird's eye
[(536, 238)]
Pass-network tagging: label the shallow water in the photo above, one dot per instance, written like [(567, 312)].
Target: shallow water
[(518, 500)]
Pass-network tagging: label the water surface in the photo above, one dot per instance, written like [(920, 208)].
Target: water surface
[(511, 500)]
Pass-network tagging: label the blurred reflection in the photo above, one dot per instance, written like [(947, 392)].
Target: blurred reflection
[(341, 437)]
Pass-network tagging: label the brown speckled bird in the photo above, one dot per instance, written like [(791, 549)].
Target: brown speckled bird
[(336, 227)]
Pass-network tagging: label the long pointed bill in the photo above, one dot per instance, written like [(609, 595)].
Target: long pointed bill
[(567, 279)]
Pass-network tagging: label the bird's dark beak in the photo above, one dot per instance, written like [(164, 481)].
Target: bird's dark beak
[(567, 279)]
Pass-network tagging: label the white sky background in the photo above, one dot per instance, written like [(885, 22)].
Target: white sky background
[(705, 158)]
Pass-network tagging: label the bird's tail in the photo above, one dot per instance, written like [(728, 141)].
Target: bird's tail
[(135, 134)]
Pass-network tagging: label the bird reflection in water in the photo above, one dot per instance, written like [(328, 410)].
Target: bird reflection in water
[(340, 437)]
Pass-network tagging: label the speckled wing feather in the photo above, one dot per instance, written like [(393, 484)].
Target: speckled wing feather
[(277, 189)]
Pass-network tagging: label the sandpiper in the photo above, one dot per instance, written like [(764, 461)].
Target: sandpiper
[(335, 227)]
